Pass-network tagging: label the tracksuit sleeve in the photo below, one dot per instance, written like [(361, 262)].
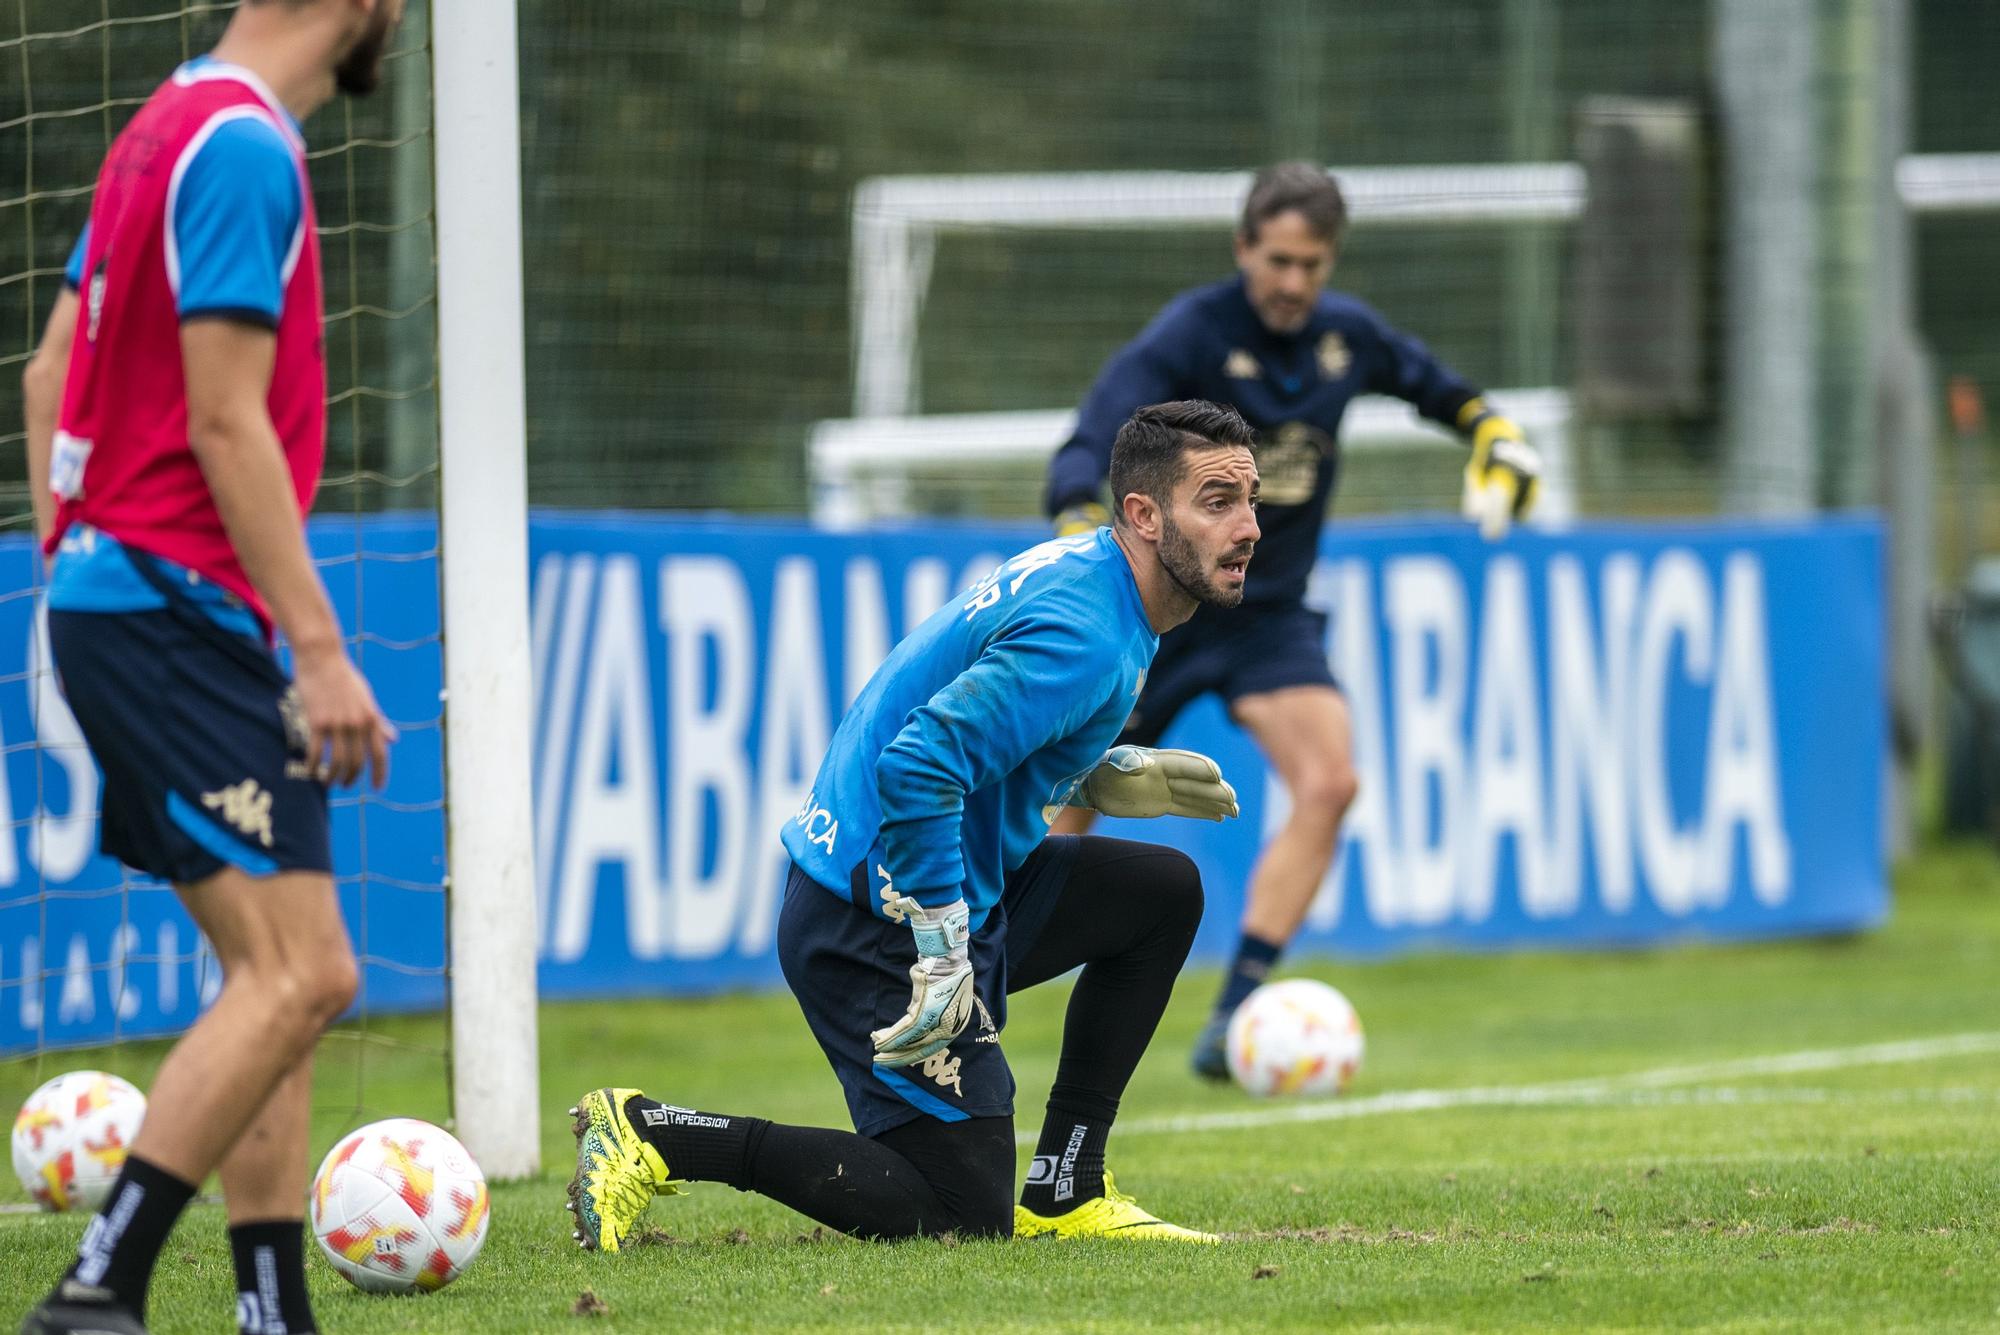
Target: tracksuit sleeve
[(1404, 367), (1034, 682), (1141, 373)]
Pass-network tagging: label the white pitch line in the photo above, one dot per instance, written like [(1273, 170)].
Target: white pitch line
[(1596, 1089)]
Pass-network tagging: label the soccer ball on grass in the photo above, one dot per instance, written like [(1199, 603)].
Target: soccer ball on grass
[(70, 1138), (399, 1207), (1297, 1036)]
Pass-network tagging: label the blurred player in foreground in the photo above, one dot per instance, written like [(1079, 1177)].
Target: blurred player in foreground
[(1290, 356), (920, 858), (170, 488)]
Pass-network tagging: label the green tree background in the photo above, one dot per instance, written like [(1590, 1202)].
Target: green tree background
[(689, 168)]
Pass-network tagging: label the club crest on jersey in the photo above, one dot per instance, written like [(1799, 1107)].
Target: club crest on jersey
[(1288, 462), (1240, 365), (1334, 358)]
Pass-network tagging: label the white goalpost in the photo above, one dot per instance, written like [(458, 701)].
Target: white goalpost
[(483, 536), (861, 465)]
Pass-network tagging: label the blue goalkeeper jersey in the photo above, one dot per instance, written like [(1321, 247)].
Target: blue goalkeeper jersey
[(991, 710), (1208, 343)]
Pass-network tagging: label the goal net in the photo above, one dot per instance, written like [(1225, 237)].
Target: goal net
[(99, 967)]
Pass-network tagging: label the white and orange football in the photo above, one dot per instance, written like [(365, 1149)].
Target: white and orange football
[(399, 1207), (1297, 1036), (70, 1138)]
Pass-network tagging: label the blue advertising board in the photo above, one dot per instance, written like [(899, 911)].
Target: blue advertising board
[(89, 952), (1616, 734)]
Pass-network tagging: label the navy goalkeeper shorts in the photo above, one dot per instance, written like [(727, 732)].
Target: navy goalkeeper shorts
[(851, 973)]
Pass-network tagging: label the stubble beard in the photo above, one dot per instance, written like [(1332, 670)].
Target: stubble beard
[(1184, 566), (360, 72)]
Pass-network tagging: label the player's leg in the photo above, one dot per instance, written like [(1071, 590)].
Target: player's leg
[(287, 973), (1127, 912), (1304, 733), (884, 1180), (264, 1173), (264, 1179), (922, 1179), (204, 786)]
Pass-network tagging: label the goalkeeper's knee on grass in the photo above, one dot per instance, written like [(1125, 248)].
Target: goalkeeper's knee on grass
[(923, 1179)]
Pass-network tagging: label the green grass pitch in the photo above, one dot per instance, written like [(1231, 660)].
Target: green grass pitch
[(1800, 1135)]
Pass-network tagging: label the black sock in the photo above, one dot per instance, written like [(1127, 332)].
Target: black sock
[(698, 1146), (271, 1278), (124, 1240), (847, 1182), (1069, 1161), (1247, 972)]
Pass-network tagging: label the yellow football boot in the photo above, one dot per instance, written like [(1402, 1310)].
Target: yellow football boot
[(1112, 1215), (617, 1171)]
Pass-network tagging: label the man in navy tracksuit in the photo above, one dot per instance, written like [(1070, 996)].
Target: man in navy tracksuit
[(1289, 356)]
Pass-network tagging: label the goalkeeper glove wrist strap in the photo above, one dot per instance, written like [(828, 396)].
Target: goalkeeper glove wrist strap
[(940, 930), (1472, 412)]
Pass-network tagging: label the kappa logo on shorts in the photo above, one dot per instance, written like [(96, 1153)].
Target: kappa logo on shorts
[(942, 1067), (244, 805)]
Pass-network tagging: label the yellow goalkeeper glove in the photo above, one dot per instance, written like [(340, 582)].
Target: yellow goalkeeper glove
[(1503, 474), (1085, 518)]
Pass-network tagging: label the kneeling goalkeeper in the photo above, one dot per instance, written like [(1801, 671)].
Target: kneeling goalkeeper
[(923, 890)]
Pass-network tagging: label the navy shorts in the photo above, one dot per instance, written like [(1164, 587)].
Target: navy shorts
[(201, 741), (851, 973), (1233, 651)]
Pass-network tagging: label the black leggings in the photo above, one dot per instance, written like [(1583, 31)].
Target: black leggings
[(1127, 914)]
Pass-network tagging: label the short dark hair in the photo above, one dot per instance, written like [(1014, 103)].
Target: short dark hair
[(1295, 187), (1150, 454)]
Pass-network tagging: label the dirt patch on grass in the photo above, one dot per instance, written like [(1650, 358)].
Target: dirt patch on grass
[(1345, 1233), (653, 1236), (1744, 1228)]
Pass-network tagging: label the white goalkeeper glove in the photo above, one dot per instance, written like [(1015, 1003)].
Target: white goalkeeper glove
[(1139, 781), (1503, 474), (941, 984)]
